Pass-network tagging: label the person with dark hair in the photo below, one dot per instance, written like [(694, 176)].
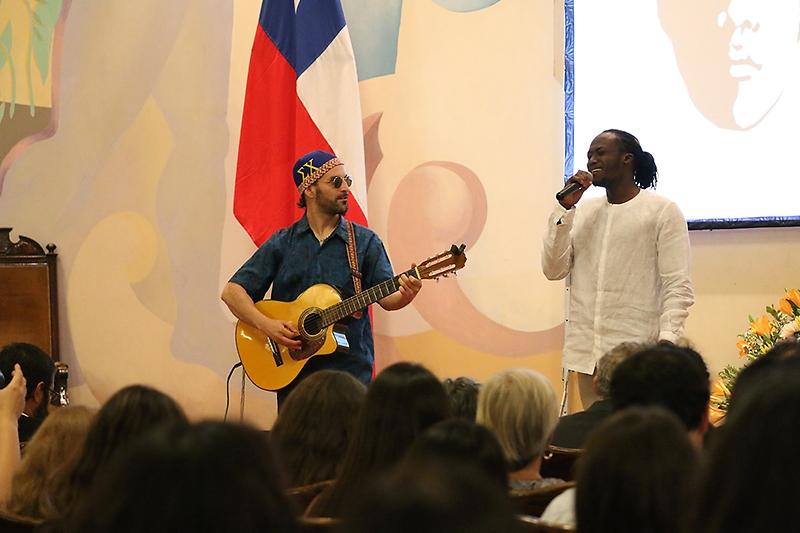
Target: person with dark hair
[(39, 371), (315, 250), (664, 375), (130, 413), (636, 474), (573, 430), (627, 255), (457, 439), (463, 394), (431, 497), (751, 374), (749, 482), (670, 376), (316, 424), (208, 477), (403, 401)]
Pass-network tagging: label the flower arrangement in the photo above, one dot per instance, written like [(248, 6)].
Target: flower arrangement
[(760, 337)]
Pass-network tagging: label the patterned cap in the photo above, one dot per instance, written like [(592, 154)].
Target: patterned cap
[(311, 167)]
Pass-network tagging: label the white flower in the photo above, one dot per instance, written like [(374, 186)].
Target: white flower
[(790, 329)]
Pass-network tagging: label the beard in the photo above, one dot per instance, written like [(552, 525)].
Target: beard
[(335, 206)]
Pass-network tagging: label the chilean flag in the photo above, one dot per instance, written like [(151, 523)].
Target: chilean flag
[(302, 95)]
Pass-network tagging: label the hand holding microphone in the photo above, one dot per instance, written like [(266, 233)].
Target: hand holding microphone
[(574, 189)]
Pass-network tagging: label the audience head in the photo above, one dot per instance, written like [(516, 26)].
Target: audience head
[(403, 401), (671, 376), (430, 497), (609, 362), (751, 374), (206, 477), (315, 425), (130, 413), (48, 459), (39, 371), (457, 439), (463, 394), (635, 474), (519, 405), (749, 482)]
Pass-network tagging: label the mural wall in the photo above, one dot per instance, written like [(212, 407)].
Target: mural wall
[(130, 167)]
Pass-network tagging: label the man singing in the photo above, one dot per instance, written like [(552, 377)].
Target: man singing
[(627, 254)]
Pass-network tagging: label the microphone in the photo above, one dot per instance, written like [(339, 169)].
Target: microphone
[(569, 189)]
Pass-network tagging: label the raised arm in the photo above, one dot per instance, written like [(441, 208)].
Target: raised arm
[(557, 244), (12, 401)]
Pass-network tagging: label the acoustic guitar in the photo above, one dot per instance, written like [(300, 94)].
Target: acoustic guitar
[(272, 366)]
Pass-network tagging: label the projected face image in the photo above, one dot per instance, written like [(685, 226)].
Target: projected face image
[(762, 53), (737, 57)]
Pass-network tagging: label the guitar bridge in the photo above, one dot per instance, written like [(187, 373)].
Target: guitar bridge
[(276, 352)]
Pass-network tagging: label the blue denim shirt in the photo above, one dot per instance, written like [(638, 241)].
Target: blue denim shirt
[(292, 260)]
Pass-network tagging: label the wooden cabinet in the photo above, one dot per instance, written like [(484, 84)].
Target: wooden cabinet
[(28, 293)]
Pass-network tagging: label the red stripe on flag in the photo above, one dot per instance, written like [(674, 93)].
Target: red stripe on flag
[(276, 131)]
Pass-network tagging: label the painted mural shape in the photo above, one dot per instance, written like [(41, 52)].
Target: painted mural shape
[(449, 141), (29, 54)]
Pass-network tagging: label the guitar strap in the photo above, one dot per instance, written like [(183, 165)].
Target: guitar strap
[(352, 258)]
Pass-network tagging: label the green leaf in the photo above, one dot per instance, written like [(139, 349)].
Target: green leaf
[(45, 16), (5, 39)]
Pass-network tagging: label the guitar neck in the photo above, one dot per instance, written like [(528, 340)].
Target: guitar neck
[(361, 300)]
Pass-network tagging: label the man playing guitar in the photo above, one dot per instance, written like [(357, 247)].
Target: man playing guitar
[(314, 250)]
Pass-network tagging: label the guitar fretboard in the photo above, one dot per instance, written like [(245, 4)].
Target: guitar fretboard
[(361, 300)]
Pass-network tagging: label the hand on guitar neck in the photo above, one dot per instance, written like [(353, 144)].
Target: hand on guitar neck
[(409, 287)]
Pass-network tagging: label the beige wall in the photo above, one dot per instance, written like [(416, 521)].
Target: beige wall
[(737, 273)]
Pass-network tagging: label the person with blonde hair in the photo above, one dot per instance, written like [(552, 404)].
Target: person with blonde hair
[(49, 457), (519, 405)]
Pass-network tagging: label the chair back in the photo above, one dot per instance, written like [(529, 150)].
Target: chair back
[(560, 462), (10, 523), (531, 524), (317, 524), (303, 495), (533, 502)]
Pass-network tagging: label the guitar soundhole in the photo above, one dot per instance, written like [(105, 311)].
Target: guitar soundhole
[(312, 324)]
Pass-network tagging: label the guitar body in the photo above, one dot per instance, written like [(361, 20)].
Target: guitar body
[(271, 366)]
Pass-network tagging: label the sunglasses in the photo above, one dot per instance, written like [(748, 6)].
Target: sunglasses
[(338, 180)]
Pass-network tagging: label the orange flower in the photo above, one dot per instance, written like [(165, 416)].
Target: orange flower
[(793, 296), (741, 345), (762, 326), (719, 390)]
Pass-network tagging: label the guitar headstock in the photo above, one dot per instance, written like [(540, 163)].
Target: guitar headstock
[(443, 264)]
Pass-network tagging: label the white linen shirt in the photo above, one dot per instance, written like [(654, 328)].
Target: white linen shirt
[(629, 267)]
